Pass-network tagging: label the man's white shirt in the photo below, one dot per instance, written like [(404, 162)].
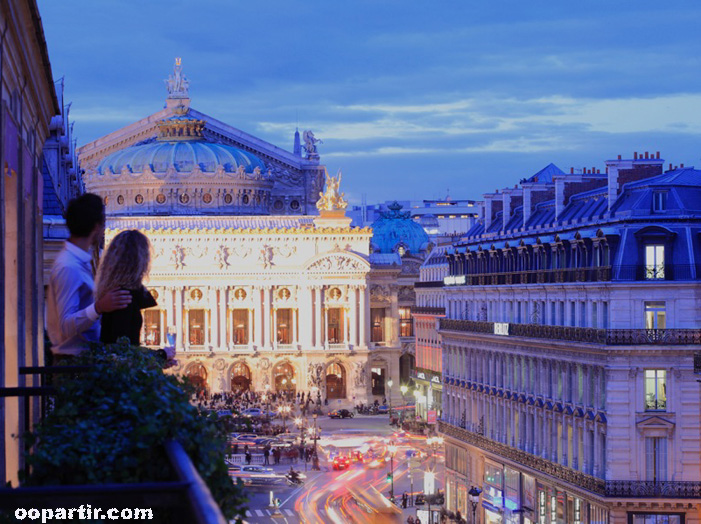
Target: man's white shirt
[(71, 319)]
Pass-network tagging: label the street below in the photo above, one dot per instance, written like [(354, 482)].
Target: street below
[(393, 463)]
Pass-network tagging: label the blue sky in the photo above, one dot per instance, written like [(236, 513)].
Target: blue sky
[(411, 98)]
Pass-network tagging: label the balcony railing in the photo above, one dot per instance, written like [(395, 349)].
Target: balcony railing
[(650, 489), (583, 274), (610, 488), (524, 458), (433, 283), (186, 497), (608, 337), (428, 310), (540, 276)]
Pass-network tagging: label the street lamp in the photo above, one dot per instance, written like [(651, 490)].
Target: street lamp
[(284, 410), (390, 383), (302, 426), (392, 449), (474, 500)]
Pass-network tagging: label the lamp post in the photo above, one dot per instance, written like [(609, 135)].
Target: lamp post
[(417, 394), (434, 443), (392, 449), (390, 383), (403, 388), (302, 426), (474, 500), (266, 396), (284, 410)]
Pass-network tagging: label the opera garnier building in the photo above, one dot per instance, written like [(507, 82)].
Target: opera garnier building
[(258, 275)]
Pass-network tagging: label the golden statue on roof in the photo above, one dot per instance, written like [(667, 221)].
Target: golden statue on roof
[(332, 199)]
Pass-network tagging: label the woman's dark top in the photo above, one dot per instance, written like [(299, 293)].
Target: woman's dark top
[(127, 322)]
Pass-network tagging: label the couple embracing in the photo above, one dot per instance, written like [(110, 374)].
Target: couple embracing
[(82, 309)]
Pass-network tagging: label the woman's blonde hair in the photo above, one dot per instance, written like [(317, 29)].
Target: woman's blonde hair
[(125, 264)]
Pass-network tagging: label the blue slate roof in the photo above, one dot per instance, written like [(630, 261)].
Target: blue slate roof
[(396, 228)]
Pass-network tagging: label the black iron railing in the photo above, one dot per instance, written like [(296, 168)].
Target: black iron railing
[(582, 274), (610, 488), (609, 337), (653, 489), (187, 498), (432, 283), (428, 310)]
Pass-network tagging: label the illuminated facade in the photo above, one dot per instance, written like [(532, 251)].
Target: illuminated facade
[(572, 322), (258, 290)]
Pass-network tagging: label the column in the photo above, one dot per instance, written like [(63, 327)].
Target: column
[(394, 315), (295, 314), (306, 311), (326, 327), (251, 330), (266, 317), (258, 332), (274, 330), (364, 316), (162, 342), (354, 316), (564, 440), (576, 435), (222, 318), (318, 290), (598, 471), (186, 328), (179, 326)]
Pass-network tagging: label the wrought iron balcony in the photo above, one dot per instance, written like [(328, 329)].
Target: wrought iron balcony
[(608, 337), (432, 283), (639, 272), (428, 310), (610, 488), (651, 489), (569, 475)]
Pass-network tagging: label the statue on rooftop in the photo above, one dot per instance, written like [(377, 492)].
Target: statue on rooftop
[(310, 142), (178, 83), (332, 199)]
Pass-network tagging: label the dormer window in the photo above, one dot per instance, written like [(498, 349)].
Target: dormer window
[(659, 201)]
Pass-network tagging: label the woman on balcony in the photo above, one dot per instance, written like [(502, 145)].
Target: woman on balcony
[(124, 266)]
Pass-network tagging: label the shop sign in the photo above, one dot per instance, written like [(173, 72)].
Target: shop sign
[(501, 328), (454, 281)]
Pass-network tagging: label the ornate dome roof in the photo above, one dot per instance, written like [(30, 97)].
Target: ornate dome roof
[(395, 230), (181, 172), (182, 147)]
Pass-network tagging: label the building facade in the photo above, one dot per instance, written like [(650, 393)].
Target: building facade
[(28, 104), (572, 319), (261, 282), (430, 308)]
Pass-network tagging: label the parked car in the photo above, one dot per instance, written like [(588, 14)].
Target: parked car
[(341, 413), (382, 410), (256, 469), (341, 462), (252, 412)]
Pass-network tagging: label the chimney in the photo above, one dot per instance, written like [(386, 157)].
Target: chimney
[(487, 211), (560, 195)]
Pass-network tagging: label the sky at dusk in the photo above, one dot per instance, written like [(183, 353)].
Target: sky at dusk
[(412, 99)]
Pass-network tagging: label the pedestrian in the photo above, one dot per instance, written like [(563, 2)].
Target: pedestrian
[(405, 497), (266, 455), (72, 313)]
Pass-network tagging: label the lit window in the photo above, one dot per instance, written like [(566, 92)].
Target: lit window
[(284, 324), (659, 201), (335, 327), (655, 390), (377, 316), (654, 262), (196, 325), (240, 319), (655, 315), (378, 381), (152, 327), (406, 322)]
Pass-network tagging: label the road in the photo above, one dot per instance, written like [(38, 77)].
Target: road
[(330, 496)]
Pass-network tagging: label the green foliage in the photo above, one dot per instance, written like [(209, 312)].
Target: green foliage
[(110, 424)]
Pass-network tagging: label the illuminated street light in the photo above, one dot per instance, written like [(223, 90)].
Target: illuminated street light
[(392, 449), (390, 383)]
